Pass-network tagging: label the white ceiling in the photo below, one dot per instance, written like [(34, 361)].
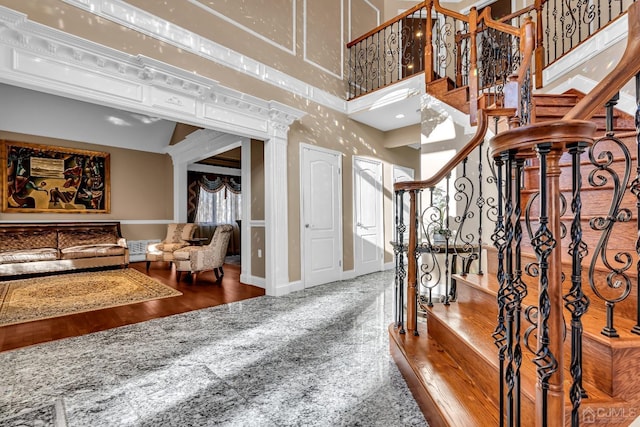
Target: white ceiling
[(390, 108), (38, 113)]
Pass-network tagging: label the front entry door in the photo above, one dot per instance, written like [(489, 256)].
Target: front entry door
[(368, 215), (321, 215)]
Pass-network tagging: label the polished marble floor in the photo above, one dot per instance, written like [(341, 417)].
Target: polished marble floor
[(318, 357)]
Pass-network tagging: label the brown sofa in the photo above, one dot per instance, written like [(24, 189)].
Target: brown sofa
[(36, 248)]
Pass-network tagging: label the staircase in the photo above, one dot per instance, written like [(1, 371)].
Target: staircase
[(452, 366), (455, 358)]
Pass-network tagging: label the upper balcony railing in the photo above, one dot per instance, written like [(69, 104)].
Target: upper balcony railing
[(562, 25), (389, 53), (471, 50)]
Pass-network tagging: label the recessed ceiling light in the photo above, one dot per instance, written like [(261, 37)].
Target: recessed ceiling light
[(400, 116)]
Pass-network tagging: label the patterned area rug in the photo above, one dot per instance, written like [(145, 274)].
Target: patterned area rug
[(52, 296)]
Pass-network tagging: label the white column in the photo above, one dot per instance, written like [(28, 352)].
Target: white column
[(179, 191), (245, 231), (276, 211)]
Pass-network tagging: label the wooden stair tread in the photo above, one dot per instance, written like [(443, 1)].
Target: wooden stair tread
[(592, 320), (440, 86), (555, 99), (554, 107), (445, 393), (475, 328)]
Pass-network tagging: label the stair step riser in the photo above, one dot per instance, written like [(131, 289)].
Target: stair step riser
[(623, 310), (483, 373), (600, 366)]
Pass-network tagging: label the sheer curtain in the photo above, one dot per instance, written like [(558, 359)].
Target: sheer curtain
[(219, 206), (217, 200)]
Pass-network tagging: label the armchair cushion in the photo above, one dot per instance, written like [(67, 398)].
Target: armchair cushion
[(202, 258), (170, 247), (177, 238), (179, 233)]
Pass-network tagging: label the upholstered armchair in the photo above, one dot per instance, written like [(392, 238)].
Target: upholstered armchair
[(178, 236), (195, 259)]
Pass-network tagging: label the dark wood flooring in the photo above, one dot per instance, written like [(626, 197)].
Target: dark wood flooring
[(206, 292)]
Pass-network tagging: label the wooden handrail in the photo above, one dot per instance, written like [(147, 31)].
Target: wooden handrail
[(452, 13), (527, 45), (516, 14), (497, 25), (626, 69), (451, 164)]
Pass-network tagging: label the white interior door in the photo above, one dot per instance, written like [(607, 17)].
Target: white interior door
[(321, 215), (368, 236)]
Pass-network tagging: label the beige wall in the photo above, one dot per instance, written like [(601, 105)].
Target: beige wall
[(392, 7), (367, 16), (141, 188), (257, 244), (257, 180), (337, 132), (257, 209), (403, 136), (321, 126)]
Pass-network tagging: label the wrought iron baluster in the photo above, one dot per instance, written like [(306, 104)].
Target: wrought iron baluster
[(547, 33), (510, 300), (380, 83), (447, 236), (400, 269), (519, 288), (465, 241), (617, 280), (498, 237), (576, 301), (543, 243), (635, 189), (480, 202), (431, 219), (366, 65), (416, 254)]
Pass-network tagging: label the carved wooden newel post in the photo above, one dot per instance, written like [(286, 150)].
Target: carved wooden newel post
[(547, 242)]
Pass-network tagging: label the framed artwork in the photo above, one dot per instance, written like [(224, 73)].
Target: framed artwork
[(44, 178)]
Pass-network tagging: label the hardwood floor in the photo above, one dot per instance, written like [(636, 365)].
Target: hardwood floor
[(205, 293)]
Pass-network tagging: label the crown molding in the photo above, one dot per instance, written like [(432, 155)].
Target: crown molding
[(141, 21), (41, 58)]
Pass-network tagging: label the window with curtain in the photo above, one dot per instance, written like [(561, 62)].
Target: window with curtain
[(214, 199)]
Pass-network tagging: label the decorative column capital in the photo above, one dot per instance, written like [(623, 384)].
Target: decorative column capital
[(280, 119)]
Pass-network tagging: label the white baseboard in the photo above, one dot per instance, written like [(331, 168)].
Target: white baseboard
[(253, 280), (288, 288), (348, 275), (389, 265)]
